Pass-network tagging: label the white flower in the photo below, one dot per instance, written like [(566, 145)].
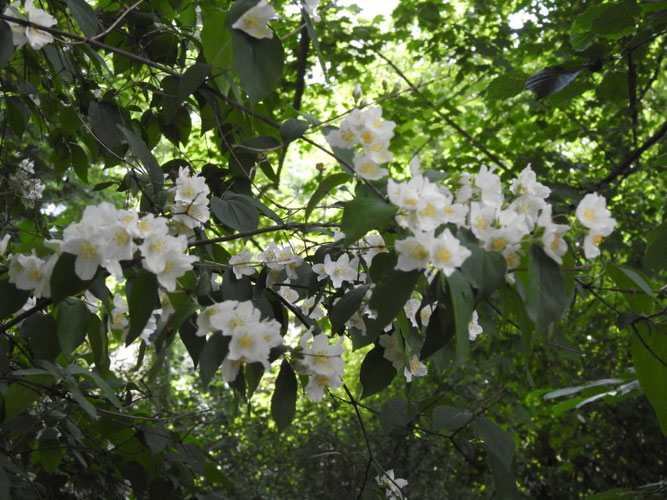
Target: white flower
[(18, 32), (312, 310), (594, 238), (317, 383), (592, 212), (89, 247), (175, 265), (392, 485), (253, 21), (247, 344), (392, 350), (242, 264), (289, 294), (191, 189), (29, 272), (345, 137), (526, 184), (410, 308), (117, 319), (373, 244), (321, 358), (367, 169), (447, 253), (413, 253), (3, 243), (473, 326), (37, 38), (553, 241), (342, 270), (414, 368), (490, 187)]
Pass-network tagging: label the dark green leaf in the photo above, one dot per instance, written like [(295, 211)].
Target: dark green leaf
[(363, 214), (216, 43), (550, 80), (283, 402), (73, 319), (396, 413), (545, 297), (649, 355), (105, 120), (343, 310), (323, 189), (376, 372), (64, 281), (507, 85), (142, 301), (193, 342), (97, 337), (85, 16), (656, 249), (212, 355), (42, 333), (485, 270), (449, 418), (260, 144), (192, 79), (496, 440), (12, 298), (391, 291), (463, 305), (20, 396), (292, 129), (141, 151), (440, 330), (258, 62), (6, 45), (235, 211)]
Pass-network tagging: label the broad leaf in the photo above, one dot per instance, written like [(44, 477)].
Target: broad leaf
[(345, 308), (649, 355), (143, 153), (192, 79), (235, 211), (323, 189), (258, 62), (142, 301), (292, 129), (462, 304), (283, 402), (363, 214), (73, 319), (85, 16), (506, 86), (545, 296), (449, 418), (212, 355), (396, 413), (376, 372), (6, 45)]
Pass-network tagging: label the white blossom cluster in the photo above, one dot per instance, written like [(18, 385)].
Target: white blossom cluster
[(500, 223), (35, 37), (24, 182), (323, 361), (189, 201), (30, 272), (365, 128), (401, 356), (252, 338)]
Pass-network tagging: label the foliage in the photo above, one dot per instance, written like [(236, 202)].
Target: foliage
[(185, 194)]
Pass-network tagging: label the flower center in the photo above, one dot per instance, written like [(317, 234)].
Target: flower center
[(418, 252), (87, 250), (589, 214), (246, 342), (444, 255)]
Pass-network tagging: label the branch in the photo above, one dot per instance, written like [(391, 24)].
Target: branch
[(447, 119), (627, 162), (292, 226)]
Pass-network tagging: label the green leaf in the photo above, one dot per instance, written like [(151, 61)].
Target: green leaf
[(85, 16), (216, 44), (6, 45), (376, 372), (21, 395), (485, 270), (99, 343), (141, 151), (212, 355), (260, 144), (64, 281), (545, 296), (105, 119), (73, 319), (550, 80), (85, 405), (142, 300), (654, 258), (391, 291), (323, 189), (440, 330), (192, 79), (396, 413), (500, 450), (463, 305), (292, 129), (258, 62), (313, 37), (42, 333), (345, 308), (651, 371), (99, 381), (628, 279), (506, 86), (193, 342), (283, 402), (235, 211), (12, 298), (363, 214), (616, 20), (449, 418)]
